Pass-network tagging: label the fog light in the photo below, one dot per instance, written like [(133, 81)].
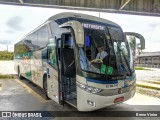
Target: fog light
[(91, 103)]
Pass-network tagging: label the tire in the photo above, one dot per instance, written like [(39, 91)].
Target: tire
[(19, 74), (45, 87)]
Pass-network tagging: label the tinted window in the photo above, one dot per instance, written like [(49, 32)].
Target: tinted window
[(21, 48), (31, 42), (56, 30), (33, 38), (52, 52), (42, 36)]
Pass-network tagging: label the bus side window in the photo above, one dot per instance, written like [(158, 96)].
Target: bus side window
[(52, 52)]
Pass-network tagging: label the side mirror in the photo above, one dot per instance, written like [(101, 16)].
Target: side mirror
[(78, 31), (139, 36)]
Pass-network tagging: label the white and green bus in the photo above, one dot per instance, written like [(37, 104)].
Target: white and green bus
[(60, 57)]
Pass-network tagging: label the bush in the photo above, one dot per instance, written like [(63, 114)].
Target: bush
[(4, 55), (6, 76), (141, 68)]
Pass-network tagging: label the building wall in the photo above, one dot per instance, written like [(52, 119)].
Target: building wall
[(149, 61)]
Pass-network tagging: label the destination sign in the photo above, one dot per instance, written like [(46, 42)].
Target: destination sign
[(93, 26)]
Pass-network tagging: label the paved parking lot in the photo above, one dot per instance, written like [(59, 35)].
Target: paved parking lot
[(17, 95)]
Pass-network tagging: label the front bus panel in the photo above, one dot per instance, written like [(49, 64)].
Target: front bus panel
[(109, 93), (108, 81)]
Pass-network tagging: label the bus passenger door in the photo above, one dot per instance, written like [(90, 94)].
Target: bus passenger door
[(67, 69)]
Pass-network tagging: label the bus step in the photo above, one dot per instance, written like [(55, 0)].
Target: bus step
[(68, 83), (71, 96), (70, 99), (72, 102), (74, 93), (66, 92)]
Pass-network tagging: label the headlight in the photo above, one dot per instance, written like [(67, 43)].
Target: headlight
[(90, 89), (130, 82)]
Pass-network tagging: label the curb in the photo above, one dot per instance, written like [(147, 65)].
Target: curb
[(148, 86), (155, 82)]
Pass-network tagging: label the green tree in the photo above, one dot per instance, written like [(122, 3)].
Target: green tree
[(132, 42), (139, 49)]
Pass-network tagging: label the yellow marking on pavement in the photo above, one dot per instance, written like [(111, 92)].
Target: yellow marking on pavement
[(0, 87), (148, 85), (30, 90)]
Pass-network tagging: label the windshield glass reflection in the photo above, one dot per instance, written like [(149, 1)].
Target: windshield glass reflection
[(106, 50)]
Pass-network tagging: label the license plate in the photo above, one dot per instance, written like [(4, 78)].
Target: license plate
[(112, 85), (118, 99), (118, 85)]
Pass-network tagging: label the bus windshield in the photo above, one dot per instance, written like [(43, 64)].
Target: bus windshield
[(105, 48)]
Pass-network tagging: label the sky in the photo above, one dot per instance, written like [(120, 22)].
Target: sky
[(17, 21)]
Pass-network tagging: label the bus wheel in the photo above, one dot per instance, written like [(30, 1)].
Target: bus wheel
[(19, 74), (45, 87)]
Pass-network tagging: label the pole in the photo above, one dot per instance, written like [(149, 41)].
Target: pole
[(99, 14)]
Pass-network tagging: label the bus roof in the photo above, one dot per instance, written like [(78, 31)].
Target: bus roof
[(74, 15), (79, 15)]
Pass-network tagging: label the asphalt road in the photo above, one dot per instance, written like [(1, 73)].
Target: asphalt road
[(16, 95)]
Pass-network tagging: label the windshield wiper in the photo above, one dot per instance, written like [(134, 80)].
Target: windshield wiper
[(124, 59)]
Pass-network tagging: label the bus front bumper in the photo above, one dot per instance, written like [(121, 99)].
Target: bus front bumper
[(88, 102)]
